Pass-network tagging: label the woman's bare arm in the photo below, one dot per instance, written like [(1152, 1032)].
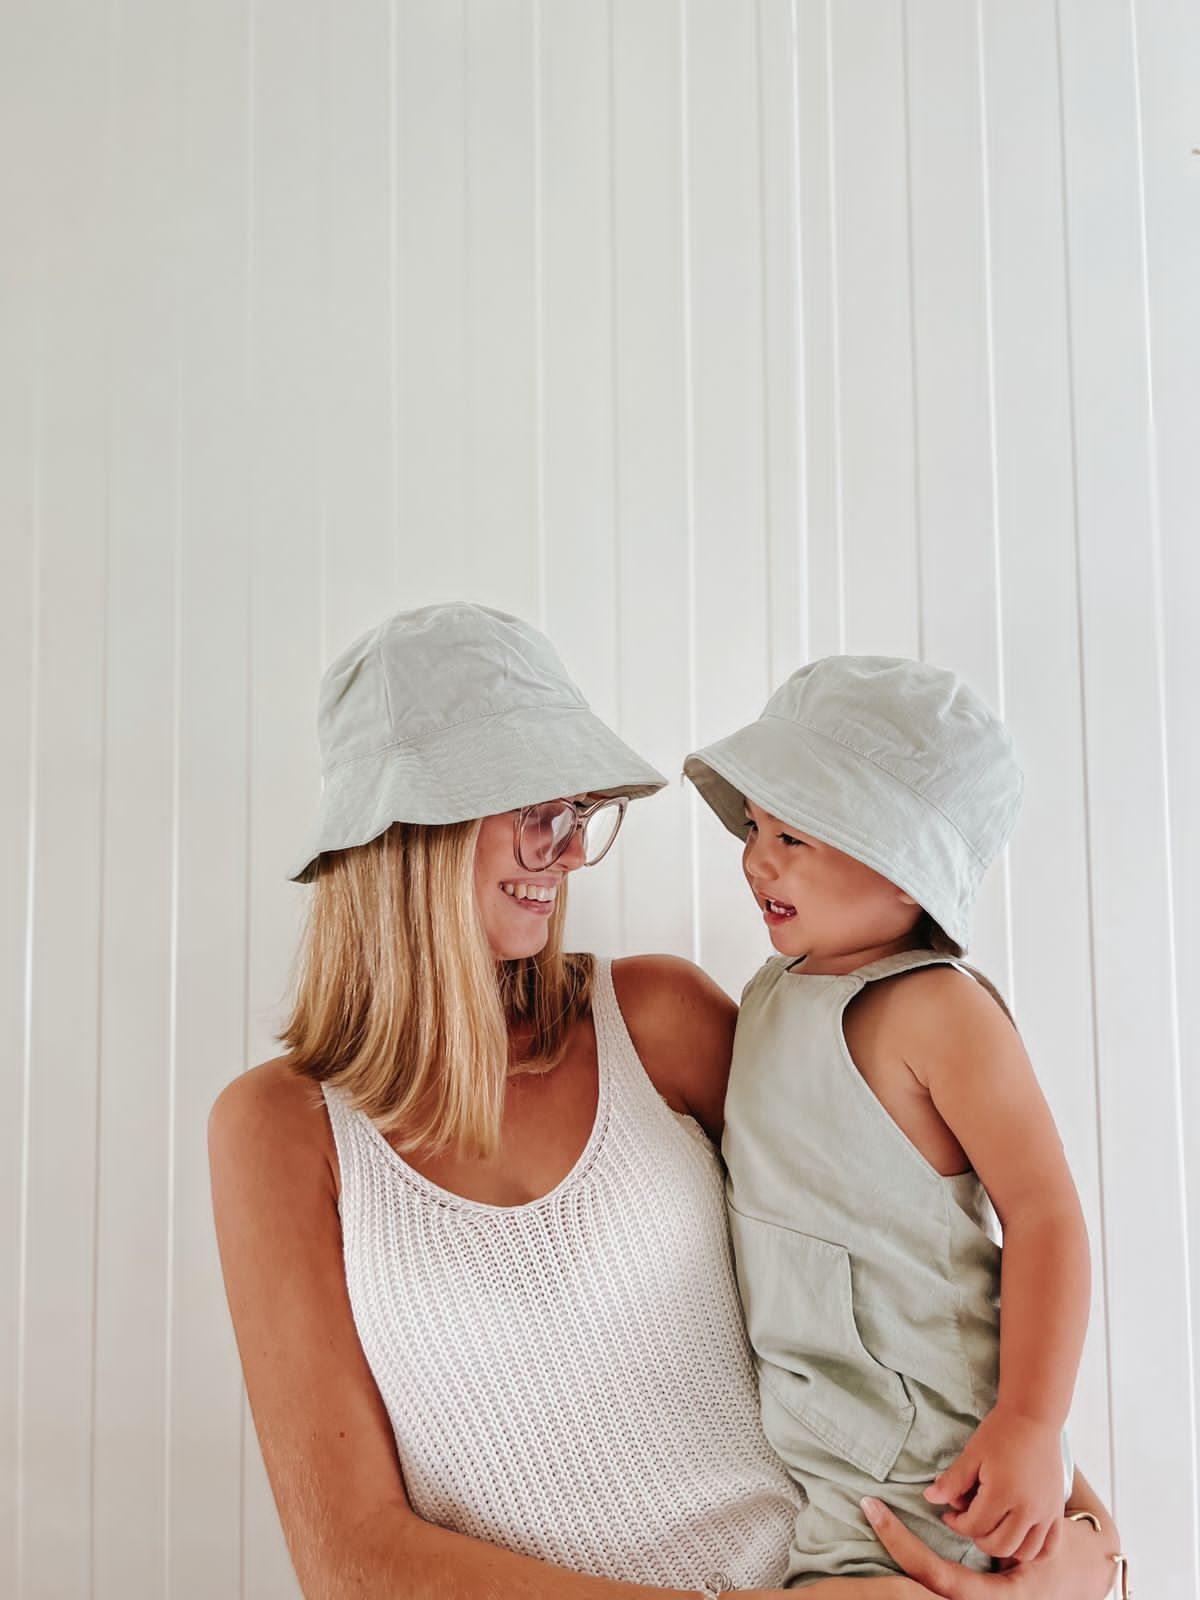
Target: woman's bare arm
[(681, 1024)]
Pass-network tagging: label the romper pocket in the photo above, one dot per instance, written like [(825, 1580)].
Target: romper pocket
[(799, 1305)]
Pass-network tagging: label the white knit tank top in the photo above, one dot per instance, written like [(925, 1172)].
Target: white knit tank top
[(570, 1378)]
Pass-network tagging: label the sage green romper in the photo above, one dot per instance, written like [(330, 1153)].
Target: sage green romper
[(871, 1283)]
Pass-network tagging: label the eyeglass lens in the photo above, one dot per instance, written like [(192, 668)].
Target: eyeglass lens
[(545, 832)]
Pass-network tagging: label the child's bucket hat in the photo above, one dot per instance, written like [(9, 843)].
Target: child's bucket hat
[(895, 762), (452, 712)]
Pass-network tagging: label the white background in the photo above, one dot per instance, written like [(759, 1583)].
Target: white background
[(710, 334)]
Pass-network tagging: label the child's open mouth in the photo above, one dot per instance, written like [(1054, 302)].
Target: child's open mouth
[(777, 910)]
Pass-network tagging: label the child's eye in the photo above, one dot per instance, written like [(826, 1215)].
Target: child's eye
[(787, 839), (750, 826)]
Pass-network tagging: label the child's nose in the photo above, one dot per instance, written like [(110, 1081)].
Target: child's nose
[(758, 859)]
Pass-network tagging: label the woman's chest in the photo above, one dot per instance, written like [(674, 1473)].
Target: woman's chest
[(548, 1121)]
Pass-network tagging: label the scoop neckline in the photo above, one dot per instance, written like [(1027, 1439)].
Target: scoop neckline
[(586, 1158)]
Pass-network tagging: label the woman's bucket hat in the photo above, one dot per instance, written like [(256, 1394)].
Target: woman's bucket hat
[(897, 763), (452, 712)]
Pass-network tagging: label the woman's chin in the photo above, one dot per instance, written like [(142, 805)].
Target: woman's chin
[(517, 941)]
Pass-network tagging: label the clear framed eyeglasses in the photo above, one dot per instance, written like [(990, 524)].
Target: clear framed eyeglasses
[(545, 830)]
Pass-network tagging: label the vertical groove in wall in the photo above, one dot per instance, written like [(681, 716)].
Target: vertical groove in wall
[(1064, 189), (465, 463), (769, 563), (614, 370), (251, 378), (836, 340), (176, 801), (393, 189), (38, 401), (539, 317), (1160, 663), (689, 456), (993, 460), (103, 267), (800, 339), (914, 388), (325, 308)]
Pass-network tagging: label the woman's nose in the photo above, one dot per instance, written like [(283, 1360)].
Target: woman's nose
[(573, 856)]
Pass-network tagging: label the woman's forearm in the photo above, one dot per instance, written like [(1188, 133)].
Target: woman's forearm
[(397, 1553)]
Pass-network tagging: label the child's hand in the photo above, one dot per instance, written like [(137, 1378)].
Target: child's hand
[(1005, 1490)]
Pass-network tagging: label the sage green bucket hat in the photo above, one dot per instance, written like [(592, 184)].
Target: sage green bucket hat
[(452, 712), (899, 764)]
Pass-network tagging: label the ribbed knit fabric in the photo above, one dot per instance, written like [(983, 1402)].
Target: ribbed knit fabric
[(570, 1378)]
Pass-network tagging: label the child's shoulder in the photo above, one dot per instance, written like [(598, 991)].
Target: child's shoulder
[(940, 1002)]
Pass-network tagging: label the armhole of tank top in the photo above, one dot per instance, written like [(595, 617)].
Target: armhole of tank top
[(338, 1113), (628, 1068)]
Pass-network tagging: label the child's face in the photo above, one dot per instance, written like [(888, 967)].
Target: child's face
[(819, 902)]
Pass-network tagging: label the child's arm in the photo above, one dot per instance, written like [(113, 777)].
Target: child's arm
[(962, 1047)]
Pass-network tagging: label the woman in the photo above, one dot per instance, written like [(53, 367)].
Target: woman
[(473, 1237)]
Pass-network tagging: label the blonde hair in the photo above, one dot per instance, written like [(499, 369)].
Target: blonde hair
[(400, 1002)]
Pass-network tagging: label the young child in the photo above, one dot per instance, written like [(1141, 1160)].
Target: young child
[(880, 1104)]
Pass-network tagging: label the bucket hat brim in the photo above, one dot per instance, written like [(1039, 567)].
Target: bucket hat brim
[(475, 768), (838, 795)]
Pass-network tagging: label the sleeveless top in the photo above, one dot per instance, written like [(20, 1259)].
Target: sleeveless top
[(570, 1378), (871, 1282)]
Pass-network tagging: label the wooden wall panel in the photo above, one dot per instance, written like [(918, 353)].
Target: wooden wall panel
[(70, 135), (203, 1447), (20, 477), (822, 520), (724, 240), (1040, 621), (358, 396), (575, 549), (143, 601), (284, 356), (869, 191), (1166, 36), (429, 107), (653, 461), (1123, 709)]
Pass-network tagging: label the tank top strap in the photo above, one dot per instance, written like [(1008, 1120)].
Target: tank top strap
[(911, 960), (907, 961), (618, 1060)]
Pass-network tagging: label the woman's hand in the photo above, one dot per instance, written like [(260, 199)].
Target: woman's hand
[(1080, 1568)]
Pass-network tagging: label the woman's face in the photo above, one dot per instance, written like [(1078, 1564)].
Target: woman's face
[(515, 905)]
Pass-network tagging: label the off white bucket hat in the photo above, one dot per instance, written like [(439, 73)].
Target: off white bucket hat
[(897, 763), (452, 712)]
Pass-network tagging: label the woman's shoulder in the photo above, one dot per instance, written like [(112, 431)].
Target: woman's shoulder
[(681, 1023), (273, 1113)]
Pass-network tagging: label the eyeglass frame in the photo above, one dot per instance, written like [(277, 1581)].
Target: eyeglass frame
[(582, 818)]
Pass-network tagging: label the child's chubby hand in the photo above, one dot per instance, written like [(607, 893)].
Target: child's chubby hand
[(1005, 1490)]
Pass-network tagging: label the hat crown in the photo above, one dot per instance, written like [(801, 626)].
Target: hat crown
[(921, 724), (422, 671)]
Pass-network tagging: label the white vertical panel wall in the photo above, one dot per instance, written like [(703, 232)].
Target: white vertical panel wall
[(711, 335)]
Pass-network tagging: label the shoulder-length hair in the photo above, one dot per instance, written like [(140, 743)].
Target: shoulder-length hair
[(401, 1004)]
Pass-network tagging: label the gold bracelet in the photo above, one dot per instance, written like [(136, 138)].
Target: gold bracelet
[(1123, 1591)]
